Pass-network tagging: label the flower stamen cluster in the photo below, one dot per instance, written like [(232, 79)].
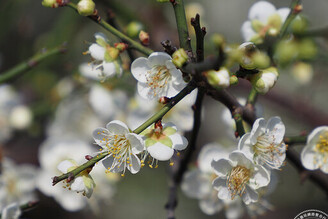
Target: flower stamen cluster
[(237, 180)]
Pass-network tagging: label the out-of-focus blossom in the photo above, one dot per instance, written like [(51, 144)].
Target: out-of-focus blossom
[(17, 183), (263, 19), (302, 72), (11, 211)]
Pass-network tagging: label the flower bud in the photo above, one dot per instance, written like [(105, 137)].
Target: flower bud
[(133, 29), (121, 46), (302, 72), (86, 7), (218, 40), (179, 57), (144, 38), (247, 49), (307, 49), (286, 51), (219, 79), (50, 3), (261, 60), (265, 80), (299, 24), (233, 80)]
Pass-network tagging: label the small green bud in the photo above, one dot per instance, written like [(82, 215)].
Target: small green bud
[(261, 60), (307, 49), (259, 84), (133, 29), (302, 72), (265, 79), (248, 49), (86, 7), (218, 79), (50, 3), (299, 24), (179, 57), (218, 40), (233, 80), (286, 51)]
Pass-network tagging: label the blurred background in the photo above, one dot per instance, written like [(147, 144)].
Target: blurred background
[(28, 28)]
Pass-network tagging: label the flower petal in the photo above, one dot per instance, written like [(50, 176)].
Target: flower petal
[(209, 152), (109, 69), (78, 184), (257, 129), (260, 178), (108, 162), (277, 128), (160, 151), (11, 211), (308, 158), (135, 164), (250, 195), (283, 13), (245, 146), (211, 205), (239, 158), (158, 58), (261, 11), (99, 135), (247, 31), (179, 142), (139, 68), (137, 143), (97, 52), (117, 127), (145, 91), (221, 167), (65, 165), (314, 135), (220, 185), (196, 184)]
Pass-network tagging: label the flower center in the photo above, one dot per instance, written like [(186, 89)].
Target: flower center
[(266, 151), (157, 78), (237, 180), (322, 144)]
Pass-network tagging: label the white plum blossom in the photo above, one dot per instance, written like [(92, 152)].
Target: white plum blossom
[(220, 78), (103, 60), (162, 141), (181, 114), (238, 175), (17, 183), (82, 182), (51, 153), (315, 154), (157, 76), (122, 146), (264, 144), (263, 19), (11, 211)]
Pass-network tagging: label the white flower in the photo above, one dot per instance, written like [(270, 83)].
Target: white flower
[(239, 176), (103, 60), (17, 183), (20, 117), (315, 153), (157, 76), (11, 211), (263, 18), (161, 142), (51, 153), (122, 146), (265, 79), (197, 183), (264, 144), (82, 182), (181, 114)]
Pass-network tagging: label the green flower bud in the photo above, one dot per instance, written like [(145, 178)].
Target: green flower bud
[(133, 29), (299, 24), (233, 80), (179, 57), (219, 79), (307, 49), (86, 7), (50, 3), (265, 80), (302, 72), (217, 39), (286, 51), (261, 60)]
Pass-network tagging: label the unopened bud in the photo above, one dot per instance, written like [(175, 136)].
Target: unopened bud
[(164, 100), (179, 57), (265, 80), (302, 72), (88, 157), (121, 46), (218, 40), (299, 24), (86, 7), (261, 60), (133, 29), (50, 3), (307, 49), (233, 80), (248, 49), (219, 79), (286, 51), (144, 38)]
